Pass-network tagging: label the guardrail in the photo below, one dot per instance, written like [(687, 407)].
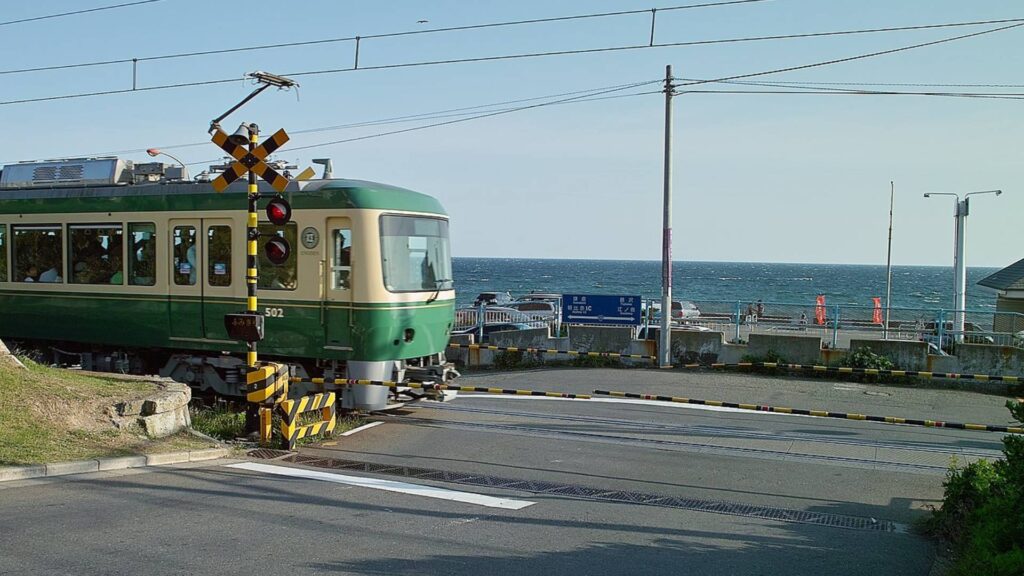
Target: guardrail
[(837, 324)]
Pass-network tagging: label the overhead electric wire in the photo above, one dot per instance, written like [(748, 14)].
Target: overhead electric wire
[(508, 57), (857, 57), (389, 35), (446, 113), (861, 93), (98, 9), (824, 89), (583, 98), (904, 84)]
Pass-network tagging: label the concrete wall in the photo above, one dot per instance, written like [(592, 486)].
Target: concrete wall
[(987, 359), (905, 354), (601, 338), (792, 349), (690, 346)]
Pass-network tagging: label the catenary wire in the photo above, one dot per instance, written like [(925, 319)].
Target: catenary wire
[(506, 57), (353, 38), (97, 9), (391, 35)]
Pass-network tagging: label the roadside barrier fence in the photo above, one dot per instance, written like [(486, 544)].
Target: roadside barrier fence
[(675, 399), (749, 365)]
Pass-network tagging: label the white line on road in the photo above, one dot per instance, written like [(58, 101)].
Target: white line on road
[(361, 428), (386, 485)]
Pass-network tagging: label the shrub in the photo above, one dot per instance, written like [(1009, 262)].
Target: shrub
[(982, 509), (864, 358)]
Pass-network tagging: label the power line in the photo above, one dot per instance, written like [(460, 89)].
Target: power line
[(858, 57), (903, 84), (386, 35), (650, 45), (575, 99), (507, 57), (423, 116), (812, 92), (48, 16)]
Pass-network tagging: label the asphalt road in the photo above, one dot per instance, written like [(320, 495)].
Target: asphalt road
[(513, 485)]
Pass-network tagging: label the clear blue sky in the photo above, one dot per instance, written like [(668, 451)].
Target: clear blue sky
[(757, 178)]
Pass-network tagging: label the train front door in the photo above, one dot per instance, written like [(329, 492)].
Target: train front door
[(339, 291), (185, 289)]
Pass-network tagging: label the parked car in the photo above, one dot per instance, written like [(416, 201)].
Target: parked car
[(493, 299), (492, 328)]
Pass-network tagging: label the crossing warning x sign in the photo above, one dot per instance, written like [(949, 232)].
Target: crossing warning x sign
[(246, 161)]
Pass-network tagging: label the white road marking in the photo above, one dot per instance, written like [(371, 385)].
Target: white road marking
[(635, 401), (361, 428), (386, 485)]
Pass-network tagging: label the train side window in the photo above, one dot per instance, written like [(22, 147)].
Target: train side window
[(37, 253), (185, 255), (3, 252), (142, 254), (96, 253), (285, 276), (219, 255), (341, 258)]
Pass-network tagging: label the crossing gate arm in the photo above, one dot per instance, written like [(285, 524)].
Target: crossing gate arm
[(815, 413), (428, 386)]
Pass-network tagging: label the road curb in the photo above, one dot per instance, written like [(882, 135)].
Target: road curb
[(11, 473)]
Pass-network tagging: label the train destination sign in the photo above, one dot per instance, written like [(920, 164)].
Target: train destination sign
[(601, 309)]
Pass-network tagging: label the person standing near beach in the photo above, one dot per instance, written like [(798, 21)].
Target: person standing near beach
[(760, 308)]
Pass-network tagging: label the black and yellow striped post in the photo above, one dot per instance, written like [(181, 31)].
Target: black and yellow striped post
[(291, 410), (252, 235)]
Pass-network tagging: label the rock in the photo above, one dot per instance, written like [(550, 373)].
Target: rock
[(6, 358)]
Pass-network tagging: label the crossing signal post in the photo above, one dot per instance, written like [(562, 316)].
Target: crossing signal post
[(266, 382)]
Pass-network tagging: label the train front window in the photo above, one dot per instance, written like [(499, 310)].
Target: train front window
[(415, 254), (341, 258)]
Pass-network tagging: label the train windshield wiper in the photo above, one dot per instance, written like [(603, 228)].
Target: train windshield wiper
[(438, 286)]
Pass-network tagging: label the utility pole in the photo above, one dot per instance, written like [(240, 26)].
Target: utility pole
[(665, 344), (888, 265), (961, 209)]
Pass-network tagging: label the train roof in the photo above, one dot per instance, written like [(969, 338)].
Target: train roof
[(187, 196)]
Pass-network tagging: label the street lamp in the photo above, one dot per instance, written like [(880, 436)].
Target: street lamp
[(960, 211)]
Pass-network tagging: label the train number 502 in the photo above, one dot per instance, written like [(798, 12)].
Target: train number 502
[(273, 312)]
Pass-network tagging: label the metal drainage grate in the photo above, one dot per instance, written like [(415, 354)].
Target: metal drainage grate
[(601, 494), (267, 454)]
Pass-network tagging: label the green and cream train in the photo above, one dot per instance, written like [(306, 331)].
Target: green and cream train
[(131, 267)]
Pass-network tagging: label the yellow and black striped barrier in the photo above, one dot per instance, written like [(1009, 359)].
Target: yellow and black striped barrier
[(872, 371), (584, 353), (291, 410), (815, 413), (748, 365), (429, 386), (266, 385)]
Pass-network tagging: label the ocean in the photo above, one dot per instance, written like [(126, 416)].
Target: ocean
[(926, 287)]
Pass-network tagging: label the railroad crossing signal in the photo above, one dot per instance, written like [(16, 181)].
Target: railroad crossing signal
[(246, 161)]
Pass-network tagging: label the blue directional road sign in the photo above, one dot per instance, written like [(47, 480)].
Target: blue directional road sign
[(601, 309)]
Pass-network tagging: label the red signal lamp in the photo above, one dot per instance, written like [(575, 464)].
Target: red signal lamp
[(277, 250), (279, 211)]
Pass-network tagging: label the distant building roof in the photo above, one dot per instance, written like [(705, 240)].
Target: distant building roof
[(1009, 278)]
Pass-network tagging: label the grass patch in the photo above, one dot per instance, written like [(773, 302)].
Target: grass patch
[(227, 422), (221, 421), (55, 415)]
